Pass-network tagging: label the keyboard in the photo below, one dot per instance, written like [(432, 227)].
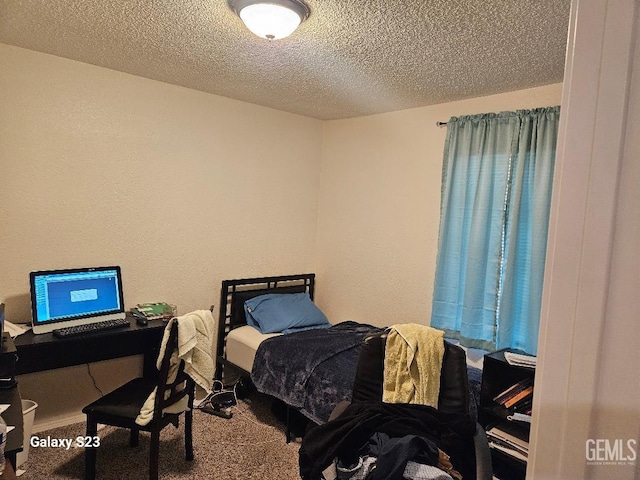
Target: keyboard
[(89, 328)]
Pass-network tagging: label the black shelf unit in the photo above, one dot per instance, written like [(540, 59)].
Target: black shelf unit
[(497, 376)]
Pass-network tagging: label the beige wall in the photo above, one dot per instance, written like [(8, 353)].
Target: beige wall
[(379, 208), (182, 189)]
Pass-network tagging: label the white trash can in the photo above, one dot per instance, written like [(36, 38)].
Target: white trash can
[(28, 416)]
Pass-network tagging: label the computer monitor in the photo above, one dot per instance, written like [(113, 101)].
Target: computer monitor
[(75, 296)]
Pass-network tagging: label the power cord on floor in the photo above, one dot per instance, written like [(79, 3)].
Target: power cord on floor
[(243, 413), (220, 401)]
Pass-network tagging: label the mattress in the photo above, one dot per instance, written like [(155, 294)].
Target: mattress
[(242, 343)]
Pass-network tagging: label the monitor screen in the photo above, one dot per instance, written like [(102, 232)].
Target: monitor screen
[(64, 298)]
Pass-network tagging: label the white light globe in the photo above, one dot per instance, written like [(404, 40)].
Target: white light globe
[(270, 21)]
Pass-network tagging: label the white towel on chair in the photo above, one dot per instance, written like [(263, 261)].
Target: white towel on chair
[(195, 346), (196, 335)]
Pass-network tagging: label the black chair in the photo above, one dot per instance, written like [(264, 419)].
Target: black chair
[(453, 397), (121, 407)]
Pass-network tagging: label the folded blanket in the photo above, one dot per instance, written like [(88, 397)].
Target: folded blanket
[(196, 335), (412, 364)]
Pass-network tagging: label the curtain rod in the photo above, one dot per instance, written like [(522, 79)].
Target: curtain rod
[(441, 124)]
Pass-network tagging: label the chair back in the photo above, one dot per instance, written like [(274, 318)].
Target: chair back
[(454, 383), (174, 388)]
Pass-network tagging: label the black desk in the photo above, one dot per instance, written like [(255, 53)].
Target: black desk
[(41, 352)]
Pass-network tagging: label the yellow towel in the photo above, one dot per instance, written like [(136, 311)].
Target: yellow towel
[(412, 364)]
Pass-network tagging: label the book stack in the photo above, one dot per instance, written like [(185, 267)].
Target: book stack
[(518, 399), (511, 441)]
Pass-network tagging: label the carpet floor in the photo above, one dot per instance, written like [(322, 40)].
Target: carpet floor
[(250, 445)]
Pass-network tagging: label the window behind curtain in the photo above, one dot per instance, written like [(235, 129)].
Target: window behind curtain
[(496, 192)]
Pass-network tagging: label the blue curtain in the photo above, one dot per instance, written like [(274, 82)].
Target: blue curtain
[(496, 193)]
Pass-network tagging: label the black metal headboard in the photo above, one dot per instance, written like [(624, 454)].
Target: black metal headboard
[(235, 292)]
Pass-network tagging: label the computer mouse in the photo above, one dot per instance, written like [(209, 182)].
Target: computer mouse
[(141, 321)]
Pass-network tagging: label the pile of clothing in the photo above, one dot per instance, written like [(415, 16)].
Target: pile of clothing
[(381, 441)]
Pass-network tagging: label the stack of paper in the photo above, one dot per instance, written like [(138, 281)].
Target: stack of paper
[(501, 437), (520, 360)]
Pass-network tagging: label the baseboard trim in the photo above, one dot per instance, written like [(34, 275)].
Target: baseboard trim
[(59, 422)]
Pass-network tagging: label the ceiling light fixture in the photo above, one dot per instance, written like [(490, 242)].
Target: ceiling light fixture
[(271, 19)]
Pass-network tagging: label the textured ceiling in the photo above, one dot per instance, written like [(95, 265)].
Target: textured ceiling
[(350, 58)]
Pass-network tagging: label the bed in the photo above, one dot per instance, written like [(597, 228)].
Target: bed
[(311, 370)]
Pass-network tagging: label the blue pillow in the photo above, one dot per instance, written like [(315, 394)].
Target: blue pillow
[(284, 312)]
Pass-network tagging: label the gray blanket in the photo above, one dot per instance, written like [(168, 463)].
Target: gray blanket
[(312, 370)]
